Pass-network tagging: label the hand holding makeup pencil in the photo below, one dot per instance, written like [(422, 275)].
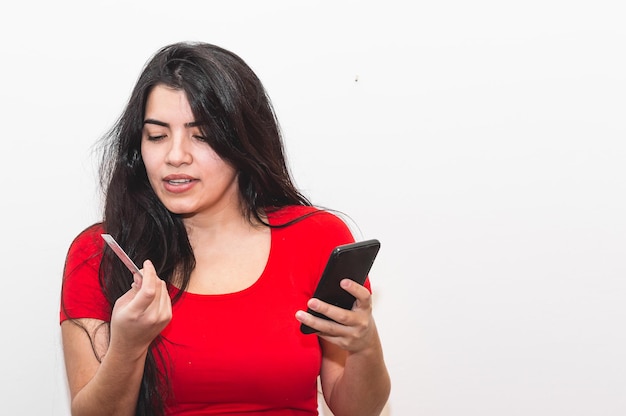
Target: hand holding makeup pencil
[(141, 313)]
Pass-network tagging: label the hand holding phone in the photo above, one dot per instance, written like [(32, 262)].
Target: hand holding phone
[(352, 261)]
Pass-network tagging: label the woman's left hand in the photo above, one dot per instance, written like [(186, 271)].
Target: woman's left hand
[(353, 330)]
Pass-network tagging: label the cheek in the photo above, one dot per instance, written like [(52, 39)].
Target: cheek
[(221, 170), (149, 161)]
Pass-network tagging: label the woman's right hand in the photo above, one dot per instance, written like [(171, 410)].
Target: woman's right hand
[(141, 313)]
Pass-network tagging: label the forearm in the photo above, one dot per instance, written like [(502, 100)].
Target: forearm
[(363, 386), (114, 388)]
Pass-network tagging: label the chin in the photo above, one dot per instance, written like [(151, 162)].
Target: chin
[(182, 211)]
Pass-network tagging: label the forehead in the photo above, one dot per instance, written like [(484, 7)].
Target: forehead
[(168, 105)]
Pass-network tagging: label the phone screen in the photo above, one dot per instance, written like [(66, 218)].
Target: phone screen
[(352, 261)]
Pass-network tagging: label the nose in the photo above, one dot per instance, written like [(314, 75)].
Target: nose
[(179, 151)]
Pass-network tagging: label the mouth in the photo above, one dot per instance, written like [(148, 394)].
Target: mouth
[(178, 181), (179, 184)]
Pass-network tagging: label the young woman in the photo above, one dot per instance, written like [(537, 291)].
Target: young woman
[(197, 188)]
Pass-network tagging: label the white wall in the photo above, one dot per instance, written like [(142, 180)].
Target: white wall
[(481, 141)]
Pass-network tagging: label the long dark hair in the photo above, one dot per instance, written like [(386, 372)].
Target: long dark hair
[(238, 122)]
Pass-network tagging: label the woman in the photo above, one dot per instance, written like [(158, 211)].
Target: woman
[(198, 189)]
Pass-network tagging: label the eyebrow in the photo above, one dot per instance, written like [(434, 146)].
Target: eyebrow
[(191, 124)]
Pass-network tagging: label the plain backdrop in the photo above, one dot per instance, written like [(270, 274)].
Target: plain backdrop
[(483, 142)]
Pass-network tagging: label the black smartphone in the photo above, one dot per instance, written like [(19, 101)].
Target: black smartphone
[(352, 261)]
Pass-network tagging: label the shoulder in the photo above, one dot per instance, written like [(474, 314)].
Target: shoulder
[(312, 228), (86, 246), (89, 238), (304, 216), (82, 295)]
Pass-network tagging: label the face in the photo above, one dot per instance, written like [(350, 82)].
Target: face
[(186, 174)]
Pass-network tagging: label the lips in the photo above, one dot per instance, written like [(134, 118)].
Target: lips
[(178, 183)]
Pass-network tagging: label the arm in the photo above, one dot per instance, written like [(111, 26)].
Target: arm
[(354, 377), (111, 386)]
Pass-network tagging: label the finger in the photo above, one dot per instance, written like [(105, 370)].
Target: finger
[(128, 296), (137, 280), (149, 279), (336, 313), (166, 301), (323, 326), (147, 292), (360, 292), (160, 301)]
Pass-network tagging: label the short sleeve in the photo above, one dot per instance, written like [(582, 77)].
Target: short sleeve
[(81, 293)]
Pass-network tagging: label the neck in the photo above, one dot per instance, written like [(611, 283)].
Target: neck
[(224, 225)]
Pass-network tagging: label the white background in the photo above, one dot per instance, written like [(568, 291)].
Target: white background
[(481, 141)]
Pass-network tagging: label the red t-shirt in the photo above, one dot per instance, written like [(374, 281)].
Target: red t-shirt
[(236, 353)]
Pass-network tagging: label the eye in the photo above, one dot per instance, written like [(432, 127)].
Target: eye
[(156, 138)]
